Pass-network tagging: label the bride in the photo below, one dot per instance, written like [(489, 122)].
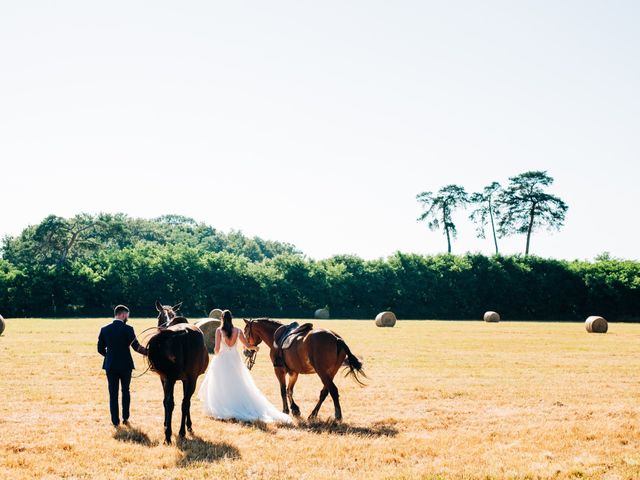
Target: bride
[(228, 390)]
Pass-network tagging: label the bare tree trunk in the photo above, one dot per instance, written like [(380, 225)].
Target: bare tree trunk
[(67, 248), (72, 242), (446, 229), (532, 215), (493, 227)]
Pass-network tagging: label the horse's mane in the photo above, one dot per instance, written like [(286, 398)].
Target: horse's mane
[(273, 323)]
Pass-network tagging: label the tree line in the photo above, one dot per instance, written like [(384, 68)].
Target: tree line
[(82, 266), (520, 208)]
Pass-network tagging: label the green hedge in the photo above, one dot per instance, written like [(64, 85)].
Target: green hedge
[(289, 285)]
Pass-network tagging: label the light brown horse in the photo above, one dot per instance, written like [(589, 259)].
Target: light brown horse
[(167, 313), (177, 352), (318, 351)]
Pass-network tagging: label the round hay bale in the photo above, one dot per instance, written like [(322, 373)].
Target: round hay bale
[(491, 317), (208, 327), (385, 319), (595, 324), (2, 325), (321, 314), (215, 313)]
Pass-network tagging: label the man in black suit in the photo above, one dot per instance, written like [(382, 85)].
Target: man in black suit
[(113, 345)]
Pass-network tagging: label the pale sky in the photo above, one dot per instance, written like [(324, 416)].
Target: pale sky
[(317, 123)]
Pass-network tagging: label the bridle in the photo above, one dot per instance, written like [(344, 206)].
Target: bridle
[(250, 330), (169, 319), (250, 354)]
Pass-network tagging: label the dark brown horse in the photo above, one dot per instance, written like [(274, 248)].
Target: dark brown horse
[(177, 352), (318, 351)]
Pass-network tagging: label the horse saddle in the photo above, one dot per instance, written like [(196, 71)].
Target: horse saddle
[(285, 335)]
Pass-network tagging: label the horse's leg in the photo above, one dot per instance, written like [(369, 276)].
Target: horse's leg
[(183, 417), (168, 408), (187, 389), (323, 394), (164, 382), (327, 375), (333, 389), (327, 381), (326, 366), (282, 378), (193, 389), (293, 378), (335, 396)]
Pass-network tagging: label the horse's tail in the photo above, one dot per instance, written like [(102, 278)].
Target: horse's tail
[(353, 365)]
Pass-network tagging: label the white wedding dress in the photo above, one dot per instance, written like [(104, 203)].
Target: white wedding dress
[(228, 390)]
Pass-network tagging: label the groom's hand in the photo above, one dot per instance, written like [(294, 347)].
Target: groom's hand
[(139, 348)]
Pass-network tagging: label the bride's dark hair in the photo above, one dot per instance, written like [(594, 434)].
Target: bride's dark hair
[(227, 324)]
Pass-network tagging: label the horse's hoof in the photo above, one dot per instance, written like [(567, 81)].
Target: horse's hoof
[(190, 430), (167, 441), (312, 417), (295, 413)]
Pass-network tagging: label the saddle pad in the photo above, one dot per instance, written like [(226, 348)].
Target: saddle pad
[(286, 338)]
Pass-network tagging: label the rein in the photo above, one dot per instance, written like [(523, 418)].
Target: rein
[(250, 361), (146, 358), (146, 370)]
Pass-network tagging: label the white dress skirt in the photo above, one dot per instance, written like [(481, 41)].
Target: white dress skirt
[(229, 392)]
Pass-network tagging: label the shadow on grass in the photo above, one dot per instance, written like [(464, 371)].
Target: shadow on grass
[(377, 429), (258, 425), (134, 435), (342, 428), (196, 449)]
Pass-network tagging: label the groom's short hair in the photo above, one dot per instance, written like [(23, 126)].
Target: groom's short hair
[(119, 309)]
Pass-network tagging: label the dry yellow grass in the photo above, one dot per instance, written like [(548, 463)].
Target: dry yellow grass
[(445, 400)]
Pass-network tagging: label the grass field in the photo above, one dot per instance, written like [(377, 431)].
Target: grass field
[(444, 400)]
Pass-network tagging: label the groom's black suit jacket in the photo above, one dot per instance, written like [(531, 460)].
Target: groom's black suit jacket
[(113, 344)]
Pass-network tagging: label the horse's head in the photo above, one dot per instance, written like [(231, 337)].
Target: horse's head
[(250, 332), (166, 313)]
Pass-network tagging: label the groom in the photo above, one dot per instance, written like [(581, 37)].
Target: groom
[(113, 345)]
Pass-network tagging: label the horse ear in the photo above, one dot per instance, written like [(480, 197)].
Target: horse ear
[(158, 306), (177, 306)]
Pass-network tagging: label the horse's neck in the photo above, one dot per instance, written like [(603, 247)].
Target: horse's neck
[(266, 333)]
